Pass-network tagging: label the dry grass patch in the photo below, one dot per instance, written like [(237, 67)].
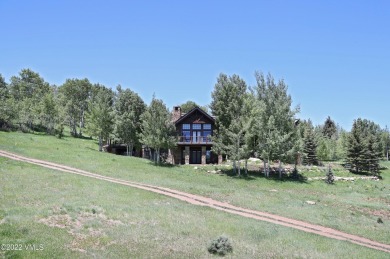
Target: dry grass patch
[(87, 226)]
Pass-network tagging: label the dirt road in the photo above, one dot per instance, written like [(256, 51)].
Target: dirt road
[(204, 201)]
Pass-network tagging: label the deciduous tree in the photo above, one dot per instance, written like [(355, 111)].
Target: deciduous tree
[(75, 94), (100, 114), (28, 90), (157, 129), (6, 104), (129, 107), (275, 129), (189, 105), (228, 105)]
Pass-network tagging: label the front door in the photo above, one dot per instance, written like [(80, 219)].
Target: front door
[(195, 156)]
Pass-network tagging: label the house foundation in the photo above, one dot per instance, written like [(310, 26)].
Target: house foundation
[(187, 155), (203, 155)]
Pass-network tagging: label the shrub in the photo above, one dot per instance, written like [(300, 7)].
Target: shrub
[(329, 176), (220, 246), (59, 131)]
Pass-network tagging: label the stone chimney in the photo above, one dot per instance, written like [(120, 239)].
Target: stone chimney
[(176, 113)]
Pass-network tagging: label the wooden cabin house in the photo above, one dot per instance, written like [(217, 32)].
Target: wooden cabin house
[(194, 130)]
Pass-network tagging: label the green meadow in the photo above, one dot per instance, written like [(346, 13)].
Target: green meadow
[(51, 214)]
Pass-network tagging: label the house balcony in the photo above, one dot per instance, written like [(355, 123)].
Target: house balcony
[(194, 140)]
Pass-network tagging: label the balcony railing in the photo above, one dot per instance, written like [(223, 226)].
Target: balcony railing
[(194, 140)]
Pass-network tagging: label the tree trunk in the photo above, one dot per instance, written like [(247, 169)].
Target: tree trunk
[(81, 126), (246, 167), (130, 150), (234, 167), (280, 169), (100, 144), (268, 169), (82, 119), (73, 127), (158, 156), (127, 149), (265, 168), (239, 168)]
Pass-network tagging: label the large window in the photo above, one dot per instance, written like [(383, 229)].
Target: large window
[(196, 126), (186, 135), (196, 132)]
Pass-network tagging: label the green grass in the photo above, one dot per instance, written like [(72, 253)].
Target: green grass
[(156, 226)]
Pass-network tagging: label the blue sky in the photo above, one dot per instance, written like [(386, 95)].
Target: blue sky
[(334, 55)]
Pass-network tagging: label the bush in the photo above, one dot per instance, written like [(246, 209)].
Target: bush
[(329, 176), (59, 131), (220, 246)]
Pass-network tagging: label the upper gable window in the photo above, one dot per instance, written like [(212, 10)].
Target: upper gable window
[(196, 126), (186, 126), (207, 126)]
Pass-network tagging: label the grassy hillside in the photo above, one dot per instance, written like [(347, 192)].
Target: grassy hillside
[(94, 218)]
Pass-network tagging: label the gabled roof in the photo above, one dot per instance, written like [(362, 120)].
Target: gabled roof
[(191, 112)]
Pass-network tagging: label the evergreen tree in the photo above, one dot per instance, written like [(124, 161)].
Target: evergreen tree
[(355, 147), (129, 107), (364, 148), (100, 115), (372, 154), (329, 129), (310, 147), (157, 129)]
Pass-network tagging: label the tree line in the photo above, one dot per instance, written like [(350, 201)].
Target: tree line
[(29, 103), (251, 121), (259, 121)]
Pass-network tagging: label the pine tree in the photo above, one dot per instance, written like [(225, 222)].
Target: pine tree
[(364, 148), (372, 154), (310, 147), (355, 147), (329, 129)]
